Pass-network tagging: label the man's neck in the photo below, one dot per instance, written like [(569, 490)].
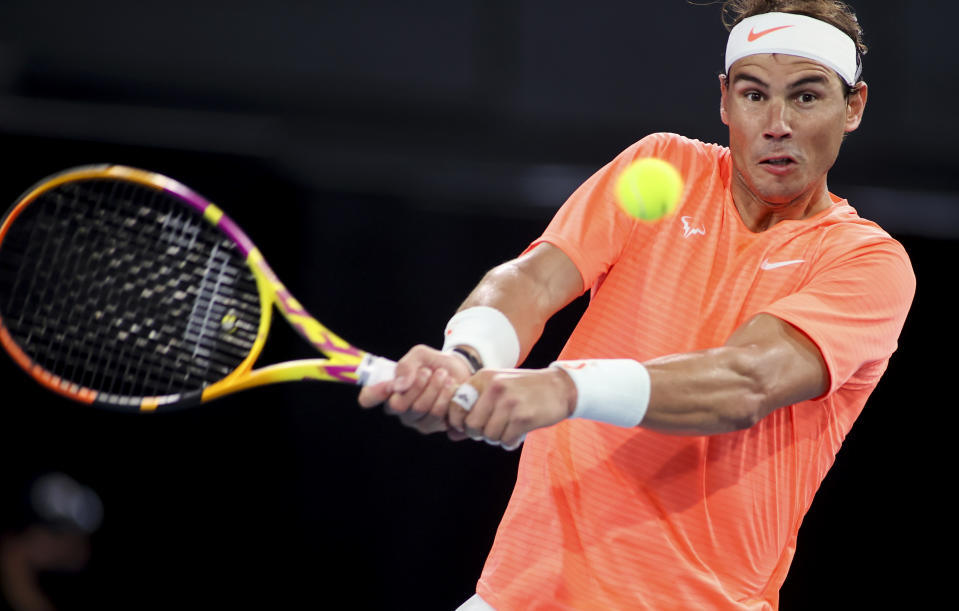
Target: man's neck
[(759, 215)]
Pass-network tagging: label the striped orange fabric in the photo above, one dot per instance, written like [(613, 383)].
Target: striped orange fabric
[(604, 517)]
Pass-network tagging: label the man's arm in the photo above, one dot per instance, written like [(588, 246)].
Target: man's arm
[(765, 364), (528, 290)]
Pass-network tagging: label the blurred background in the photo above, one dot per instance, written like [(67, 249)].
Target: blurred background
[(383, 155)]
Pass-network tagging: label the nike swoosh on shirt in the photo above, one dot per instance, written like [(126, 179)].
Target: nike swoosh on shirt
[(767, 264), (757, 35)]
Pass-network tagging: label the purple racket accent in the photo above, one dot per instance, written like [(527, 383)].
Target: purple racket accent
[(186, 194), (289, 303), (327, 345), (343, 373), (200, 203), (292, 306), (236, 234)]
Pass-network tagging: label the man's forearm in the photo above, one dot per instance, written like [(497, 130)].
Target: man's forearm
[(508, 289), (703, 393), (528, 290), (766, 364)]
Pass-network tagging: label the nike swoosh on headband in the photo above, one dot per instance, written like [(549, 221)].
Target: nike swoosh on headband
[(757, 35)]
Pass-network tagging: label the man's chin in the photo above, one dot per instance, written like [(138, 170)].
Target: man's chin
[(778, 199), (778, 194)]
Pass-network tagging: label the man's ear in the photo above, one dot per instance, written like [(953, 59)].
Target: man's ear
[(722, 99), (855, 106)]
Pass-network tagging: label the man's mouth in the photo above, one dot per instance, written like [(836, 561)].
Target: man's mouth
[(778, 161)]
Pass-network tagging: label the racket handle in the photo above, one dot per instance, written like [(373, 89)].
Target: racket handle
[(375, 369), (466, 396)]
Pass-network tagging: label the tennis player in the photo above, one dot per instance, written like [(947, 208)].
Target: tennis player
[(673, 449)]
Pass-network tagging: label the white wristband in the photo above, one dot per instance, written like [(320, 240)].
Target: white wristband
[(614, 391), (487, 331)]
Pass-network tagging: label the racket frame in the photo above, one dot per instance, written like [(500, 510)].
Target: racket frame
[(344, 362)]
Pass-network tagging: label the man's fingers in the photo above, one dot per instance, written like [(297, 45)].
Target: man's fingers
[(407, 370), (423, 424), (402, 383), (495, 427), (371, 396), (474, 421), (401, 401), (441, 405), (456, 435), (423, 404), (427, 414), (506, 404), (515, 444)]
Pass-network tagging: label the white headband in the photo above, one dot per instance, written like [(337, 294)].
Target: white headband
[(792, 34)]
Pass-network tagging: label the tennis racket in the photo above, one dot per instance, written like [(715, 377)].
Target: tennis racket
[(125, 289)]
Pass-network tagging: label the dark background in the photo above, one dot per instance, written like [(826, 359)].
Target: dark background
[(383, 155)]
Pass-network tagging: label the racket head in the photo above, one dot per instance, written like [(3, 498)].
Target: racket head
[(125, 289)]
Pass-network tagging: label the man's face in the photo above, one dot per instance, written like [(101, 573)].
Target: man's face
[(787, 116)]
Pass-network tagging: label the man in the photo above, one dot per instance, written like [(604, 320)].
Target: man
[(674, 448)]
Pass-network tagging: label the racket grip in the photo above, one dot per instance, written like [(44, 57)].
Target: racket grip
[(465, 396), (375, 369)]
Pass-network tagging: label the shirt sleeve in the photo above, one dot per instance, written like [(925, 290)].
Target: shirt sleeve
[(854, 310), (590, 228)]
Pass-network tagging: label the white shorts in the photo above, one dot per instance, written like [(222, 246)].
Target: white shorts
[(475, 603)]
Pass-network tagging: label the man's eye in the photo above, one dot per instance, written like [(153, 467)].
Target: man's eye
[(806, 98), (754, 96)]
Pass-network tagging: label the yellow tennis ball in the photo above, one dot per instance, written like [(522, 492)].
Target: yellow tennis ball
[(649, 188)]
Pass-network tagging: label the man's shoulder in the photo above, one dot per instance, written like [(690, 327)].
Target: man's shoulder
[(692, 157), (846, 235), (843, 223), (670, 142)]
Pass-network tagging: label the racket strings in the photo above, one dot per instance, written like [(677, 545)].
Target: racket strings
[(26, 290), (122, 289), (78, 365)]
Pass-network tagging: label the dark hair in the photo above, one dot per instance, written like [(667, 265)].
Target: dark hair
[(834, 12)]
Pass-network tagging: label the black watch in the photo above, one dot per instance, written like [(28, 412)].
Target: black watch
[(474, 363)]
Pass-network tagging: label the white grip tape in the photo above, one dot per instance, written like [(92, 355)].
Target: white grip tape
[(466, 396), (508, 448), (487, 331), (614, 391), (375, 369)]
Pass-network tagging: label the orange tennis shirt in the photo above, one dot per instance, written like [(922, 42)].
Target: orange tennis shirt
[(604, 517)]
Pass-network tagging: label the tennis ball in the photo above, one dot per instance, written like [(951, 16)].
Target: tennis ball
[(649, 188)]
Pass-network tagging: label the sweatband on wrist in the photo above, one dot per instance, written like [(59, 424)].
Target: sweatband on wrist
[(487, 331), (799, 35), (614, 391)]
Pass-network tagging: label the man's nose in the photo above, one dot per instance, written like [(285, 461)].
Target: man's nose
[(778, 122)]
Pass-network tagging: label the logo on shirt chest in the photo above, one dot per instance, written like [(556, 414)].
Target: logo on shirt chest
[(767, 264), (692, 227)]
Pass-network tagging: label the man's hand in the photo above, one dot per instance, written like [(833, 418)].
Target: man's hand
[(420, 395), (513, 402)]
